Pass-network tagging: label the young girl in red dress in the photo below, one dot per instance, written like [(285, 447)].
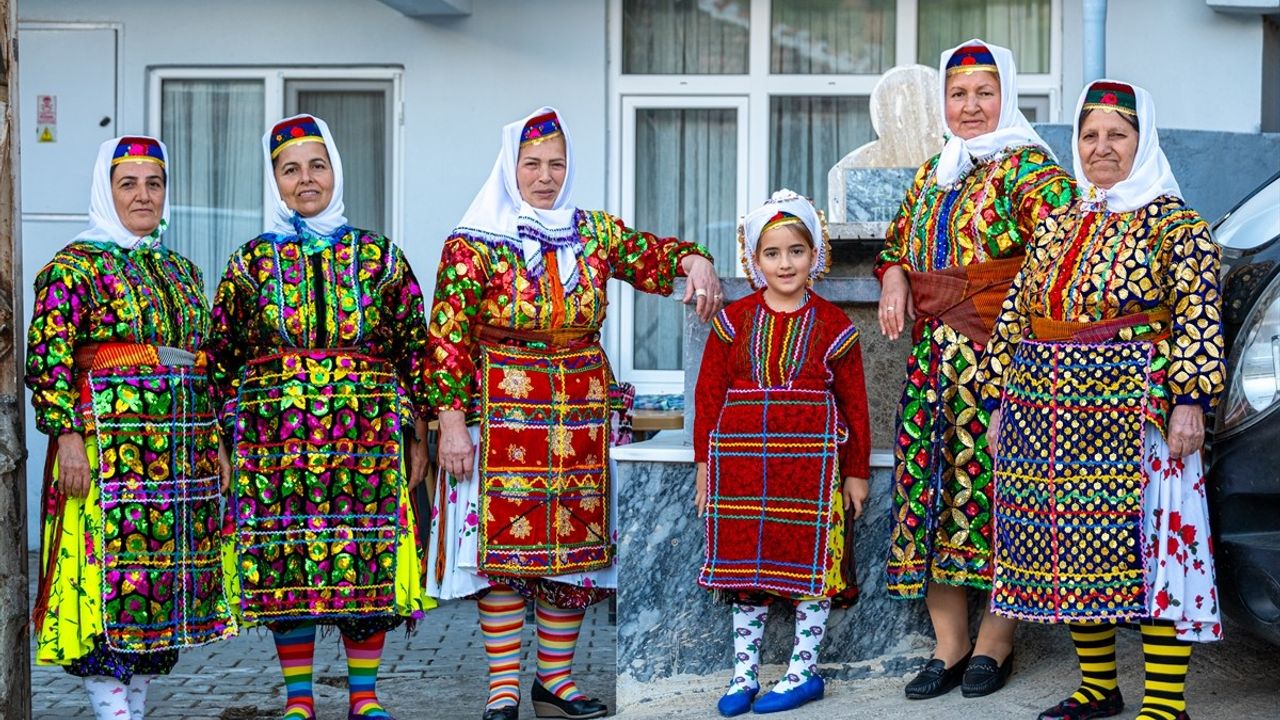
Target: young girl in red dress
[(782, 444)]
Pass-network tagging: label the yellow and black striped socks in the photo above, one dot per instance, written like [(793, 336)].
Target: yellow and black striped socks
[(1096, 648), (1166, 658)]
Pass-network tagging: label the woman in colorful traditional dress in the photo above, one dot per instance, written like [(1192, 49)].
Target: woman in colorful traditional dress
[(1106, 356), (783, 449), (319, 340), (951, 253), (520, 384), (130, 568)]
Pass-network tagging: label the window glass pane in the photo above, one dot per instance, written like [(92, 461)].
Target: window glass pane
[(830, 37), (686, 186), (809, 135), (358, 121), (685, 37), (213, 129), (1020, 25)]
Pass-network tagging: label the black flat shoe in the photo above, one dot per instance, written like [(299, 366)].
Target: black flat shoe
[(936, 679), (984, 676), (509, 712), (1069, 709), (547, 705)]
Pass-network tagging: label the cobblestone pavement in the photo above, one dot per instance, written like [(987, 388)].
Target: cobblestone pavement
[(439, 672)]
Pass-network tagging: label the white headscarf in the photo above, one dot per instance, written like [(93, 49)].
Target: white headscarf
[(281, 219), (1012, 130), (1151, 175), (499, 214), (752, 227), (104, 223)]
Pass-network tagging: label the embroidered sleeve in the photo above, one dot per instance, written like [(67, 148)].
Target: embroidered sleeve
[(451, 365), (233, 306), (844, 342), (1038, 188), (899, 233), (714, 377), (1197, 367), (405, 318), (64, 297), (647, 262), (1009, 330), (722, 326), (850, 389)]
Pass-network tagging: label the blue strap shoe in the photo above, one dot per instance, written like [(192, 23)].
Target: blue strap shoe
[(737, 703), (771, 702)]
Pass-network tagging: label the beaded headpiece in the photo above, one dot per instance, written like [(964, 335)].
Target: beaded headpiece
[(293, 131), (970, 59), (1111, 97), (138, 149), (540, 128)]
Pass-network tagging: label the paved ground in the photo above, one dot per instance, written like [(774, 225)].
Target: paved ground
[(1238, 679), (437, 673)]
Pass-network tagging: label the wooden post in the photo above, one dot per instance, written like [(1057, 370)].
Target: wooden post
[(15, 656)]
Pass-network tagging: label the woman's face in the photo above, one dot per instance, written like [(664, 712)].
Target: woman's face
[(540, 171), (1107, 146), (785, 257), (305, 178), (138, 191), (973, 104)]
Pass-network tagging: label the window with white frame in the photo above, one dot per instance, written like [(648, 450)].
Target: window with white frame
[(213, 119), (716, 103)]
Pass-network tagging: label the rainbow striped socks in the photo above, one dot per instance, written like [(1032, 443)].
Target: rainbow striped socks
[(363, 657), (296, 649), (557, 640), (501, 622)]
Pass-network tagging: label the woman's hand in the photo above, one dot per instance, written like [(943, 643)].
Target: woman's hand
[(702, 286), (1186, 430), (856, 490), (456, 453), (418, 453), (73, 465), (224, 467), (700, 489), (993, 432), (895, 302)]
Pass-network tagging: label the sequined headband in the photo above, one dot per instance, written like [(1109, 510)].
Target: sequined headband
[(1111, 97), (138, 149), (971, 59), (781, 219), (539, 129), (294, 131)]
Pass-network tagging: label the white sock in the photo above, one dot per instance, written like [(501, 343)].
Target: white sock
[(138, 695), (748, 636), (811, 626), (108, 697)]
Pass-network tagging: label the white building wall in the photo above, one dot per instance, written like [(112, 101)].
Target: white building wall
[(464, 77)]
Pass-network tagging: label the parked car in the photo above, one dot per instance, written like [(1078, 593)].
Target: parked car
[(1244, 447)]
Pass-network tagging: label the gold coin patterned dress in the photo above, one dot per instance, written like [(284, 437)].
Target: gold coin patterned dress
[(1113, 321)]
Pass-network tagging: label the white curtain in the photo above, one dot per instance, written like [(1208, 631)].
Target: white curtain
[(821, 37), (213, 129), (358, 121), (676, 37), (1020, 25), (808, 135), (686, 185)]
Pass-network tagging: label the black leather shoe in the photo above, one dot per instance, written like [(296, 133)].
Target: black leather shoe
[(547, 705), (509, 712), (1069, 709), (936, 679), (984, 676)]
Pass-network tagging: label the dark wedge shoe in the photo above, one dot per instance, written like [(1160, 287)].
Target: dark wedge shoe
[(984, 676), (509, 712), (1111, 704), (547, 705), (936, 679)]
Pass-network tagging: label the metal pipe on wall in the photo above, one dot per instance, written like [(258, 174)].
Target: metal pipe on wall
[(1095, 40)]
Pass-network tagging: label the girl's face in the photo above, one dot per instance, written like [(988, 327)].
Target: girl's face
[(785, 258)]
